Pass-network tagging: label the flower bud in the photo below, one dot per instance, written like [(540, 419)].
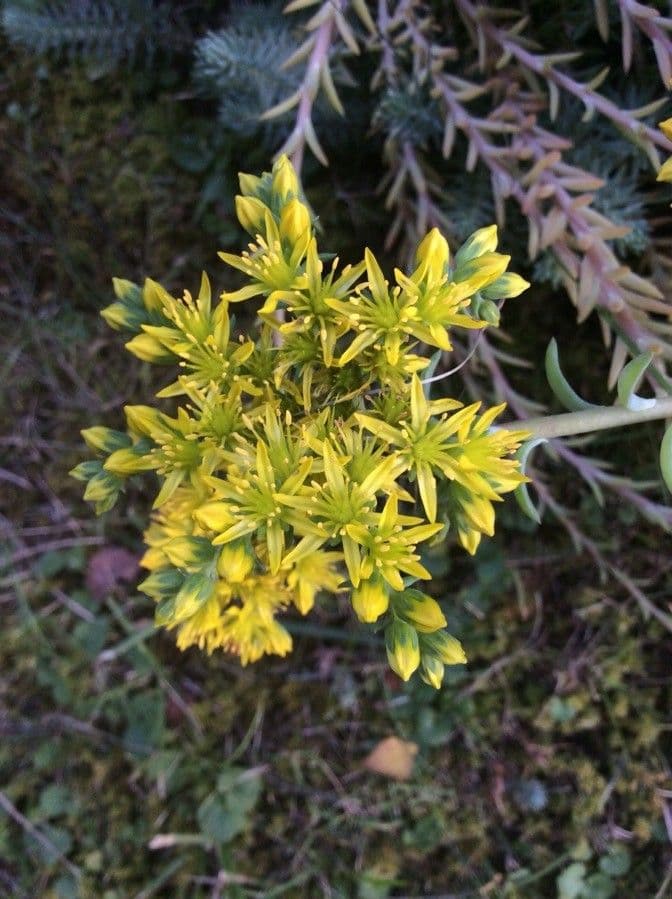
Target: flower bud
[(143, 420), (102, 487), (190, 553), (665, 173), (490, 313), (433, 255), (214, 516), (443, 647), (482, 241), (481, 271), (249, 184), (155, 296), (251, 213), (431, 671), (294, 221), (370, 600), (403, 650), (506, 286), (86, 470), (123, 317), (469, 538), (162, 584), (420, 610), (105, 439), (125, 462), (192, 595), (235, 562), (149, 349), (285, 181), (127, 291)]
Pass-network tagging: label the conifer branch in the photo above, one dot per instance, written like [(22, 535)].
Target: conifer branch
[(317, 47), (526, 163), (636, 17), (510, 46)]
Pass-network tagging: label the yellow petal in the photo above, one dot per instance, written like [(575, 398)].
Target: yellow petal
[(294, 221), (376, 279), (665, 173), (370, 600), (419, 406), (433, 255), (214, 516), (427, 485), (666, 128), (285, 180)]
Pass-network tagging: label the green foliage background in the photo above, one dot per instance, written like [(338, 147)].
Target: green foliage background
[(128, 769)]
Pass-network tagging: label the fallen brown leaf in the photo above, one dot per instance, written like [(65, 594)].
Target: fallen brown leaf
[(392, 757), (108, 568)]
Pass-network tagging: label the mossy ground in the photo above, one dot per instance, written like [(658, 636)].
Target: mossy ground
[(128, 769)]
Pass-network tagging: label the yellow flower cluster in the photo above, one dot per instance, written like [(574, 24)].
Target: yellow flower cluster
[(665, 173), (293, 459)]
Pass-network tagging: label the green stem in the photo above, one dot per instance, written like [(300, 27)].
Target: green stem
[(598, 419)]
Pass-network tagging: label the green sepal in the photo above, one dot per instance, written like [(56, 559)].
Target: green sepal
[(190, 553), (103, 490), (127, 291), (403, 649), (444, 647), (194, 592), (105, 440), (129, 460), (419, 610), (122, 317), (162, 584), (86, 470)]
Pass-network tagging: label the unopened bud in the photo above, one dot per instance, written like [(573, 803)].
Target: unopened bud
[(431, 671), (294, 221), (482, 241), (433, 254), (403, 649), (250, 212), (420, 610), (285, 182), (370, 600), (235, 562), (444, 647)]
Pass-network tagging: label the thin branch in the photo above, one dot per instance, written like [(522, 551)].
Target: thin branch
[(37, 835), (569, 424)]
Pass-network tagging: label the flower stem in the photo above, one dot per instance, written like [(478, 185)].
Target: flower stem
[(598, 419)]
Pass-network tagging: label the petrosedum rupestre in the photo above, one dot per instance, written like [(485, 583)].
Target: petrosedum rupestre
[(308, 456)]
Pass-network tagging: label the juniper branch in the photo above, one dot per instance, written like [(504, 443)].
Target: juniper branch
[(649, 21), (510, 46), (317, 46)]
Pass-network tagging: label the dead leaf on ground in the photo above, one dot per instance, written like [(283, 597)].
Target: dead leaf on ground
[(108, 568), (392, 757)]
